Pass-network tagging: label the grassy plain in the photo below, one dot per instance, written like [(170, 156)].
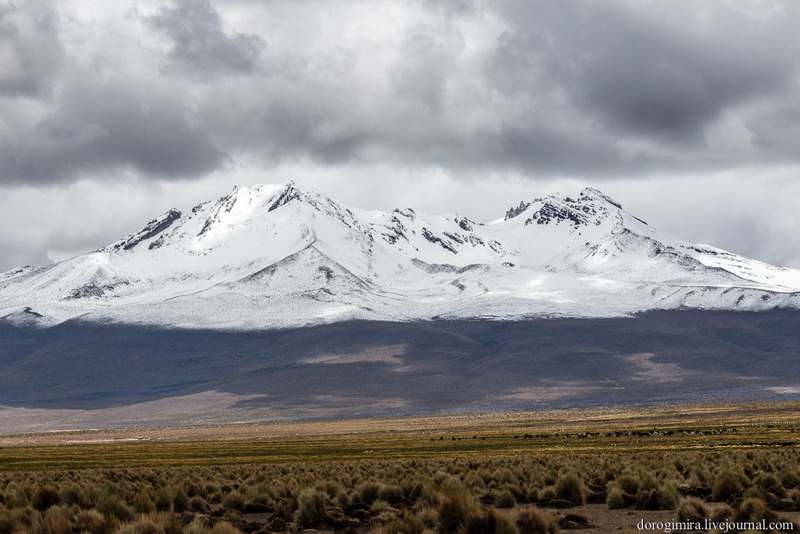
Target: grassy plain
[(448, 473), (627, 429)]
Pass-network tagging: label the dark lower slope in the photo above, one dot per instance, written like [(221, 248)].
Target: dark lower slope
[(376, 368)]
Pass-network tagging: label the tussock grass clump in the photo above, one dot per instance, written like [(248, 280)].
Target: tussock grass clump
[(755, 510), (233, 501), (114, 507), (532, 520), (546, 494), (391, 493), (6, 522), (163, 499), (75, 495), (443, 494), (93, 522), (408, 524), (143, 525), (312, 507), (721, 512), (628, 483), (615, 499), (571, 488), (225, 528), (56, 520), (198, 504), (44, 497), (668, 497), (489, 522), (726, 486), (692, 509), (199, 526), (789, 478), (367, 493), (457, 508), (143, 502), (504, 499)]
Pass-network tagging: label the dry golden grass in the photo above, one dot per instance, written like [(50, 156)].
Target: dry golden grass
[(465, 473)]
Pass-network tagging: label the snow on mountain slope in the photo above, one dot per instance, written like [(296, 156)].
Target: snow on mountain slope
[(271, 256)]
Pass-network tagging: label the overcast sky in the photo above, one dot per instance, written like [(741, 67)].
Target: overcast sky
[(686, 112)]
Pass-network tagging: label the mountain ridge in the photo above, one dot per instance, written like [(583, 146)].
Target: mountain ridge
[(274, 256)]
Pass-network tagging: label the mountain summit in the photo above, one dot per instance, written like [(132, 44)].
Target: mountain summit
[(271, 256)]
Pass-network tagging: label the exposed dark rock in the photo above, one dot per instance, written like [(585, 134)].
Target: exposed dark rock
[(427, 234), (513, 212), (152, 229)]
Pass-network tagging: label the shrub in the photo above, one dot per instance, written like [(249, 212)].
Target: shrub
[(490, 522), (393, 494), (456, 509), (790, 479), (504, 499), (260, 494), (6, 522), (795, 496), (571, 488), (55, 521), (532, 520), (225, 528), (754, 492), (692, 509), (312, 507), (382, 513), (179, 501), (367, 493), (726, 485), (93, 522), (769, 482), (628, 483), (614, 500), (233, 501), (197, 504), (143, 503), (546, 494), (409, 524), (112, 506), (163, 499), (668, 497), (74, 494), (755, 510), (197, 526), (143, 525), (44, 497), (721, 512)]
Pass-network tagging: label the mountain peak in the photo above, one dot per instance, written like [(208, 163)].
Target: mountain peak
[(516, 210), (553, 205), (592, 193), (279, 255), (286, 193), (150, 230)]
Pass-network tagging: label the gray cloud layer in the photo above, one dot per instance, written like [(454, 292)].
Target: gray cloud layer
[(200, 44), (544, 87)]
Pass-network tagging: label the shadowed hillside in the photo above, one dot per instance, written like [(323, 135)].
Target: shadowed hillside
[(379, 368)]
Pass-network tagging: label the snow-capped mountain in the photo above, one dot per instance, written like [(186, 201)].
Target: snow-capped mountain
[(271, 256)]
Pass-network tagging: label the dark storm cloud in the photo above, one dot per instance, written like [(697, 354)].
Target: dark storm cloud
[(30, 53), (421, 69), (540, 87), (645, 72), (100, 126), (569, 88), (200, 43)]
